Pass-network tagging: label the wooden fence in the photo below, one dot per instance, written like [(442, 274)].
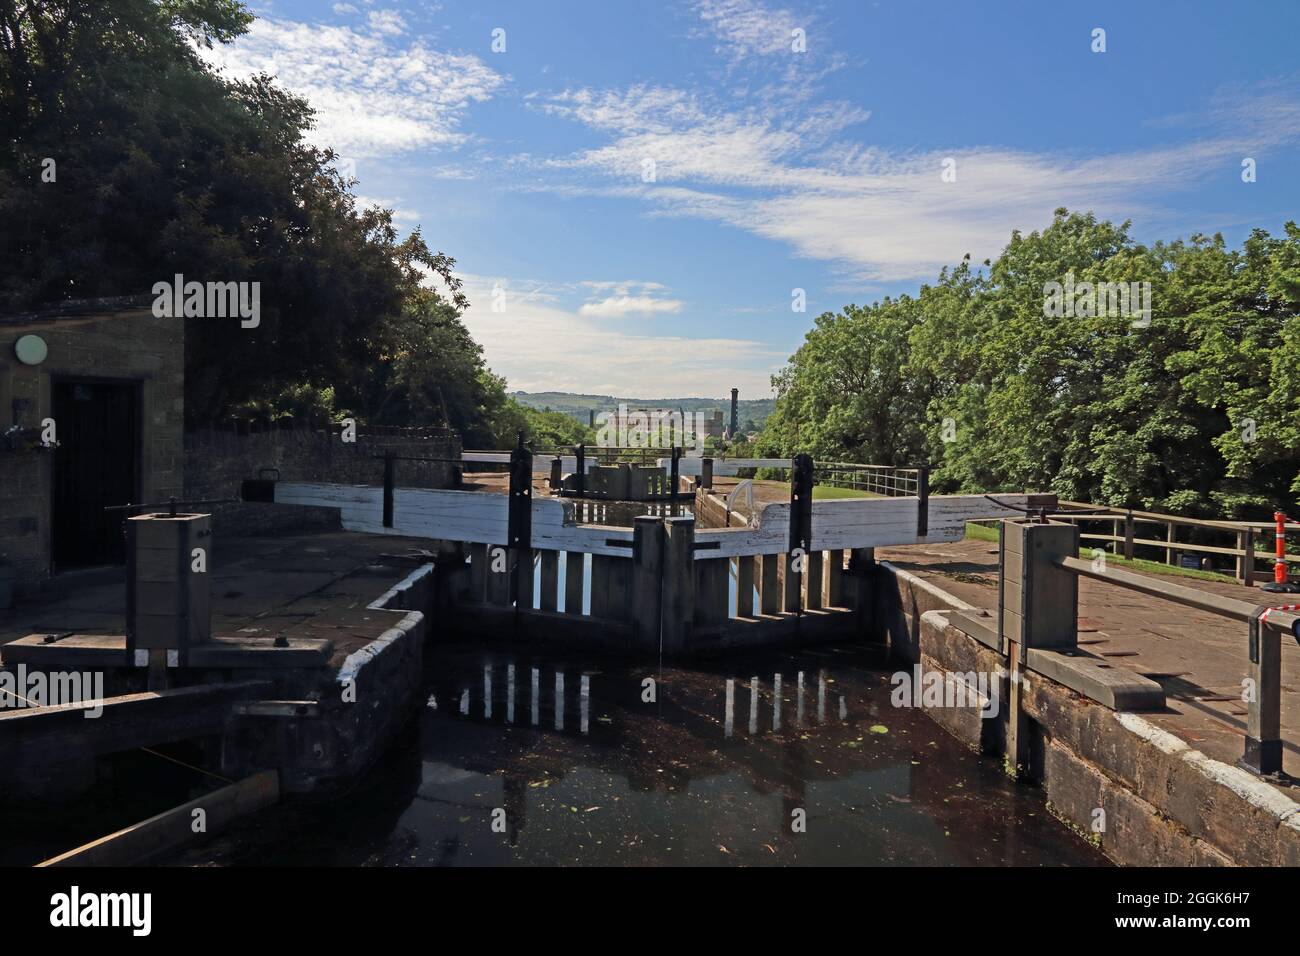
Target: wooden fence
[(1127, 531)]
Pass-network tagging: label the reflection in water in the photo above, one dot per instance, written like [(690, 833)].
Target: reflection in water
[(729, 720), (776, 703), (671, 780), (559, 700), (753, 705), (584, 698)]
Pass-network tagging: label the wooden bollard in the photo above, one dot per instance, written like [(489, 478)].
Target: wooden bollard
[(1038, 606), (169, 605), (801, 495), (835, 580), (550, 579), (711, 598), (813, 581), (557, 474), (647, 574), (706, 473), (678, 605), (1263, 749), (862, 569), (574, 571), (769, 588), (791, 584), (745, 586), (478, 572)]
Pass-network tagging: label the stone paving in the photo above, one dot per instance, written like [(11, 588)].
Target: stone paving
[(309, 585), (1199, 658)]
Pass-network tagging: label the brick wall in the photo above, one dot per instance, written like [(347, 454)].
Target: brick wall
[(123, 343), (218, 461)]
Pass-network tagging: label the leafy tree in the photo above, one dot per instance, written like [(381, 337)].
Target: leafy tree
[(163, 167), (1197, 411), (846, 394), (550, 430)]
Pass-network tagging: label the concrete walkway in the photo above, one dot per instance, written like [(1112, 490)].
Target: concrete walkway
[(307, 585), (1199, 658)]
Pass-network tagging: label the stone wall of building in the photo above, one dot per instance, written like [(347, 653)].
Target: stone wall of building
[(217, 461), (125, 344)]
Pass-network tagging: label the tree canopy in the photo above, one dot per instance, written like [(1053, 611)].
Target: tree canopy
[(1197, 412), (160, 166)]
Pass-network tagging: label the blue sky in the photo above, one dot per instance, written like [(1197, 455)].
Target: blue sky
[(642, 186)]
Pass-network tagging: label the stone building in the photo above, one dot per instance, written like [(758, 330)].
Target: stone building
[(109, 378)]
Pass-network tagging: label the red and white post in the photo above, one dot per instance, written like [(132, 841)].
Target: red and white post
[(1281, 582)]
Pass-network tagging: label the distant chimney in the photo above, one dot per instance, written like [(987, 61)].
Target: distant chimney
[(591, 417), (735, 411)]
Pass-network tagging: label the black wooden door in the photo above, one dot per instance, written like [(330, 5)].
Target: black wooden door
[(95, 465)]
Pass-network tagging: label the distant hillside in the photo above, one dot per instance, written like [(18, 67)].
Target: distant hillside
[(581, 406)]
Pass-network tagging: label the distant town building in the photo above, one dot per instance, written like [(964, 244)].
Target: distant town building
[(628, 419)]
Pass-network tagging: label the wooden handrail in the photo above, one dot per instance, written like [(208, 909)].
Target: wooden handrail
[(1191, 597), (1157, 517)]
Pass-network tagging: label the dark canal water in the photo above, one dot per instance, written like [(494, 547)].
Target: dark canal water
[(548, 759)]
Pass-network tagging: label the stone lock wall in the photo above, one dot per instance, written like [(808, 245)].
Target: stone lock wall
[(217, 461), (1165, 803)]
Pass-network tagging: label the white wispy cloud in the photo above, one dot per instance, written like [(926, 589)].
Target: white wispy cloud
[(374, 94), (880, 215), (619, 306), (540, 344), (386, 21), (745, 28), (621, 286)]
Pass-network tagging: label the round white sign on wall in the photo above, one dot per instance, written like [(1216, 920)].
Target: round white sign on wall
[(31, 349)]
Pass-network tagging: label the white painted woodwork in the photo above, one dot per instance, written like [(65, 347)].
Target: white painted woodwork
[(689, 467), (477, 517), (541, 463)]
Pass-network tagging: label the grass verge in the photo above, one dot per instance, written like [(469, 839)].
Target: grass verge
[(981, 532)]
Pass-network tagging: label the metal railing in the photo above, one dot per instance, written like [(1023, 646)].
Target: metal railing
[(889, 481)]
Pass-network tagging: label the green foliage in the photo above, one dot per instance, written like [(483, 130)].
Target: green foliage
[(163, 167), (846, 394), (1092, 408), (543, 430), (550, 430)]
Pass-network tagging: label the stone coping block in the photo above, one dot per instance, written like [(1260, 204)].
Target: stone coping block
[(1097, 680), (1092, 676)]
